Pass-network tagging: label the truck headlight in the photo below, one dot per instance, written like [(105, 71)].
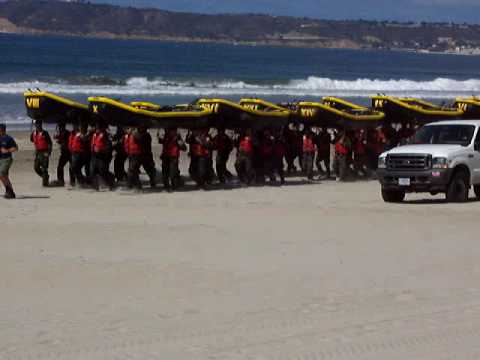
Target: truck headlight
[(439, 163), (382, 162)]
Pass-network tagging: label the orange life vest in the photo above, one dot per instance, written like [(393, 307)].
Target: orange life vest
[(40, 141), (132, 148), (199, 150), (308, 145), (171, 148), (340, 148), (246, 145), (99, 142), (75, 143)]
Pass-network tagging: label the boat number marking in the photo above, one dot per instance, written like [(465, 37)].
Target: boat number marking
[(211, 107), (33, 103), (251, 106), (379, 103), (95, 109), (462, 106), (308, 112)]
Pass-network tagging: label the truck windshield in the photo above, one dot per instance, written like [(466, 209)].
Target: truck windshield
[(445, 134)]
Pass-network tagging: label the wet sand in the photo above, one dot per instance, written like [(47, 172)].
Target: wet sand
[(304, 271)]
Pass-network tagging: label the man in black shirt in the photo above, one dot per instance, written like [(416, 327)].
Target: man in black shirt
[(7, 147)]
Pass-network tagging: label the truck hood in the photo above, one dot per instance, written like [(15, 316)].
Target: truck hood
[(434, 150)]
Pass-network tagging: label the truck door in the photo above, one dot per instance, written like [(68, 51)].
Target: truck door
[(474, 159)]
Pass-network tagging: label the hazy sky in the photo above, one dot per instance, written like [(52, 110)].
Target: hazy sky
[(404, 10)]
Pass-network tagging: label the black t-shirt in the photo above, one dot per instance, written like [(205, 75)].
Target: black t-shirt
[(6, 142)]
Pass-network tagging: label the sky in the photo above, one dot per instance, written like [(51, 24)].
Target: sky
[(459, 11)]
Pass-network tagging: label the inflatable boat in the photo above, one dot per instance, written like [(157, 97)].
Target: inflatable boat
[(54, 109), (249, 113), (469, 106), (149, 115), (334, 112), (414, 110)]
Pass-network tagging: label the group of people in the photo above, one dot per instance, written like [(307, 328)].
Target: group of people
[(261, 155)]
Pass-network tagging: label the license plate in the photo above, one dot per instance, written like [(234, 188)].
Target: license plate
[(404, 181)]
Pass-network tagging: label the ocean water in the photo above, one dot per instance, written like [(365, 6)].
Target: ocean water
[(169, 73)]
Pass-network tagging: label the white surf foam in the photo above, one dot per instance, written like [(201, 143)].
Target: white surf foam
[(312, 86)]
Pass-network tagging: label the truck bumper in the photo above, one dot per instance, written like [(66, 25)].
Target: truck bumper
[(433, 180)]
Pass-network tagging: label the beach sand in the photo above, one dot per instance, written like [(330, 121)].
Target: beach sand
[(304, 271)]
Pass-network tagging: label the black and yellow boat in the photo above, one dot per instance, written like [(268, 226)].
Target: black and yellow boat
[(150, 115), (339, 113), (54, 109), (249, 113), (413, 110), (470, 107)]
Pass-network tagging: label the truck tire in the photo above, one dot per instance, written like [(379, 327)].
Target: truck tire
[(476, 189), (457, 190), (393, 196)]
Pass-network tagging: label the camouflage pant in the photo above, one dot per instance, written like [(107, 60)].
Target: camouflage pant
[(42, 159)]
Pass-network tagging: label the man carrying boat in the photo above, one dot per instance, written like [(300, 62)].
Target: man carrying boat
[(342, 150), (278, 156), (308, 153), (323, 140), (43, 148), (223, 144), (62, 137), (79, 143), (101, 150), (120, 154), (7, 147), (244, 162), (138, 146), (267, 156), (200, 147), (172, 146)]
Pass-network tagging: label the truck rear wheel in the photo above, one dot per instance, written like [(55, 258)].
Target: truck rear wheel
[(457, 190), (393, 196)]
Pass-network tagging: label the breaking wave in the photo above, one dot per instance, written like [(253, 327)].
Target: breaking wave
[(312, 86)]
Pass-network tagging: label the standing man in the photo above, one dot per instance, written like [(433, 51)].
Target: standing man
[(43, 148), (62, 137), (7, 147)]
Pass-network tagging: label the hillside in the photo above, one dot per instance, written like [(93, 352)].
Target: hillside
[(85, 19)]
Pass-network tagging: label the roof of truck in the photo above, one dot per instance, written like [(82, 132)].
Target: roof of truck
[(456, 122)]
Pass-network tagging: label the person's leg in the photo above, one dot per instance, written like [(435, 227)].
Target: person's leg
[(62, 161), (37, 164), (174, 173), (148, 165), (166, 172), (221, 167)]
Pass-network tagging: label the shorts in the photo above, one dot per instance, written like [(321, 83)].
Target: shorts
[(5, 165)]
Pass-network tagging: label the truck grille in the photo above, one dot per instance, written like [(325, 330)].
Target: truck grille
[(409, 162)]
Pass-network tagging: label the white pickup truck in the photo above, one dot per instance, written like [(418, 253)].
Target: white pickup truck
[(443, 157)]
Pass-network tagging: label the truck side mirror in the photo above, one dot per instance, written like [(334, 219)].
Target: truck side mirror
[(476, 146)]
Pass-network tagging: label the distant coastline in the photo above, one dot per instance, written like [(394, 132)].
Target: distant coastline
[(33, 17)]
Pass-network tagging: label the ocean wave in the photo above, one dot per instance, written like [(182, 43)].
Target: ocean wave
[(312, 86)]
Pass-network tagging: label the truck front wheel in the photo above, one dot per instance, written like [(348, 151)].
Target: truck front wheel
[(393, 196), (457, 190), (476, 189)]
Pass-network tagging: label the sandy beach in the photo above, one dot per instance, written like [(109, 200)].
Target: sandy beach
[(303, 271)]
